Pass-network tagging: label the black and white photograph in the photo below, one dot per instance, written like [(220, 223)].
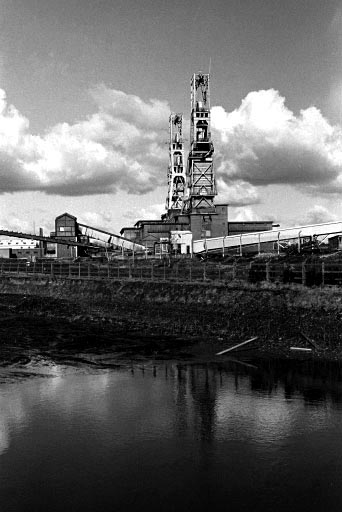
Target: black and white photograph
[(170, 255)]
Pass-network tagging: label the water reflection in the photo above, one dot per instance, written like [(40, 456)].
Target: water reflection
[(174, 436)]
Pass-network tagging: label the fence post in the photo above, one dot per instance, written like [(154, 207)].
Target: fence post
[(69, 269), (79, 269), (204, 272), (152, 271), (118, 269), (108, 270), (234, 270), (164, 271), (323, 273), (268, 274), (190, 272), (129, 270), (303, 273), (51, 270), (219, 271)]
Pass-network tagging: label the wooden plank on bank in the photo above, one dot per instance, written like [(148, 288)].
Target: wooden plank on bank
[(236, 346), (301, 349)]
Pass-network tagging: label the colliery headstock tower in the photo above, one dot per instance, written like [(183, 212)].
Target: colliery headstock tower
[(203, 217), (200, 170), (176, 176), (191, 211)]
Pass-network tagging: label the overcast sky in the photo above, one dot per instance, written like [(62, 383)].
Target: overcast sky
[(87, 87)]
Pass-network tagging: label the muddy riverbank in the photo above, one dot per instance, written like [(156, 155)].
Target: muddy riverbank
[(163, 320)]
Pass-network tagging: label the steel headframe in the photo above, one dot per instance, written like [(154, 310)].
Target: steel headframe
[(176, 171), (200, 168)]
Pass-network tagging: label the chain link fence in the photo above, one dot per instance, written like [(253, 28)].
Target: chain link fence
[(317, 273)]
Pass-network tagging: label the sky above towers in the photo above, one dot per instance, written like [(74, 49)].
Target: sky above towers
[(87, 87)]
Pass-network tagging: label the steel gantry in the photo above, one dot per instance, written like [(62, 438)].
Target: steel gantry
[(201, 187), (176, 177), (276, 237)]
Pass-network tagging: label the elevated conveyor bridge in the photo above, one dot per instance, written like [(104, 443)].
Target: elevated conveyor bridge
[(40, 238), (97, 239), (107, 239), (279, 237)]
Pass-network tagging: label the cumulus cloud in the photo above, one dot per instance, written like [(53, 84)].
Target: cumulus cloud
[(24, 222), (263, 142), (12, 222), (236, 193), (121, 146), (101, 220), (318, 215), (152, 212), (243, 214)]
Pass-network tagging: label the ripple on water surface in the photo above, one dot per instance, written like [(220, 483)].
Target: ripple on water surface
[(170, 435)]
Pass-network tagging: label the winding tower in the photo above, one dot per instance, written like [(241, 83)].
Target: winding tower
[(200, 168), (176, 172)]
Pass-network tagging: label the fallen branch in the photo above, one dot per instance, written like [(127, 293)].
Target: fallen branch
[(236, 346), (309, 340)]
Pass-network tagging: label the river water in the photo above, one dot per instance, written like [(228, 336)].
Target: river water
[(172, 436)]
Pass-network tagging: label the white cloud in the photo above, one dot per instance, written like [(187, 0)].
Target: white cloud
[(236, 193), (152, 212), (101, 220), (263, 142), (123, 146), (318, 215), (119, 147), (12, 222), (242, 214)]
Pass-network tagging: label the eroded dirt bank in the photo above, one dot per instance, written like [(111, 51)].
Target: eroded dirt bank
[(159, 319)]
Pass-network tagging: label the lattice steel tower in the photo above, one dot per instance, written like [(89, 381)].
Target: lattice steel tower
[(200, 169), (176, 172)]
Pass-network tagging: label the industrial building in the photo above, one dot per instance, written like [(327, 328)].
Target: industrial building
[(17, 248), (70, 240), (191, 211)]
